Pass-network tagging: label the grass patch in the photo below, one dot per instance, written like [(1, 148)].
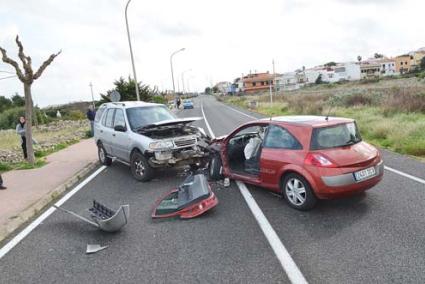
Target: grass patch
[(40, 162), (401, 130)]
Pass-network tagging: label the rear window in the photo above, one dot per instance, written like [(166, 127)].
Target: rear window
[(335, 136)]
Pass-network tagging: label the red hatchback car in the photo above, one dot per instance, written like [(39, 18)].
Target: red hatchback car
[(304, 158)]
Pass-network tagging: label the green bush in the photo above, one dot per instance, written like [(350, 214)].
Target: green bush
[(74, 115), (159, 100), (9, 118)]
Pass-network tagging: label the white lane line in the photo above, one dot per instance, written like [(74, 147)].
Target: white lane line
[(206, 121), (386, 167), (25, 232), (238, 111), (288, 264), (405, 175), (282, 254)]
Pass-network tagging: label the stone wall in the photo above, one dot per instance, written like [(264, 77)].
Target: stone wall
[(47, 136)]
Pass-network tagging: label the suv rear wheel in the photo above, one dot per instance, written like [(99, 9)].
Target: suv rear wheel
[(297, 191), (140, 167), (103, 156)]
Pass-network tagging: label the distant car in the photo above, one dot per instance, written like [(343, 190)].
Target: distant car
[(147, 136), (187, 104), (304, 158)]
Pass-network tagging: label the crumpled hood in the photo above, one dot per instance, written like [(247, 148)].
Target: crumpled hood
[(172, 122)]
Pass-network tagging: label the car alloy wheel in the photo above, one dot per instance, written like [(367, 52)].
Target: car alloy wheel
[(102, 155), (139, 168), (295, 191)]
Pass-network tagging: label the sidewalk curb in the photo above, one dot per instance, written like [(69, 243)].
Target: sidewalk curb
[(15, 222)]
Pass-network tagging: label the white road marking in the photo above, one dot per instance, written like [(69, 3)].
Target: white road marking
[(206, 121), (386, 167), (288, 264), (25, 232), (238, 111), (405, 175), (282, 254)]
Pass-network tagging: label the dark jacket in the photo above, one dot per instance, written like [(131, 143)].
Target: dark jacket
[(91, 115)]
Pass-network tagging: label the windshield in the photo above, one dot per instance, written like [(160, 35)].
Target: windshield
[(141, 116), (335, 136)]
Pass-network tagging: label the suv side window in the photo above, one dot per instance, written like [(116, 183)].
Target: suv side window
[(280, 138), (108, 118), (119, 118), (99, 113)]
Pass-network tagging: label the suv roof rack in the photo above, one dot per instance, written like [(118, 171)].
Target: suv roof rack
[(118, 103)]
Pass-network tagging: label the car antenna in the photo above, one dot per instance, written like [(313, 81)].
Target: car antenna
[(329, 111)]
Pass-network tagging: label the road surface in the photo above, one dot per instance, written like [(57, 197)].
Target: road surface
[(377, 237)]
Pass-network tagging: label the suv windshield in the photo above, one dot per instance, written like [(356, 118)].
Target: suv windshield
[(335, 136), (141, 116)]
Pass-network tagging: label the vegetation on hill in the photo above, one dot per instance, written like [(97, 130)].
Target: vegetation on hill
[(390, 113)]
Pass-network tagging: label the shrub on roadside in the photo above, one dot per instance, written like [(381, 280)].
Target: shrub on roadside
[(9, 118)]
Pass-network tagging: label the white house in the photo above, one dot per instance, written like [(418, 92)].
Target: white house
[(388, 67), (347, 71), (311, 76), (288, 81)]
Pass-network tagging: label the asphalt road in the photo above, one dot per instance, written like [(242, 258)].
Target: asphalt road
[(377, 237)]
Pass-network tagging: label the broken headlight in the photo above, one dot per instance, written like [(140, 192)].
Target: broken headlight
[(161, 145)]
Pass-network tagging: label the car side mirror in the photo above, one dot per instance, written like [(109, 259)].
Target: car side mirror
[(120, 128)]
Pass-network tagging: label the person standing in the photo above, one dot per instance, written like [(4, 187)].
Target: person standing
[(20, 130), (90, 116), (1, 184)]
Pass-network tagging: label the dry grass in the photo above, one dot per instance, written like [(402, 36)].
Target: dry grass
[(390, 113)]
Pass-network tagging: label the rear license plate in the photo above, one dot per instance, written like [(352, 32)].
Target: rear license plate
[(365, 174)]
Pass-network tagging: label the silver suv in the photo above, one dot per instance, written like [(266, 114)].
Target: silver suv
[(147, 136)]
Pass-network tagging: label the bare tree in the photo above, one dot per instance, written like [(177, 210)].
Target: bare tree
[(27, 77)]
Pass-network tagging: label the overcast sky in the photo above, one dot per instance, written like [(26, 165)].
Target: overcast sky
[(222, 39)]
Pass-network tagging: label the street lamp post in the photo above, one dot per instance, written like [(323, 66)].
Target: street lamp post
[(183, 79), (92, 96), (172, 71), (131, 53)]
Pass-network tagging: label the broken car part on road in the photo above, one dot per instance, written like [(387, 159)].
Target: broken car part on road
[(191, 199), (104, 218)]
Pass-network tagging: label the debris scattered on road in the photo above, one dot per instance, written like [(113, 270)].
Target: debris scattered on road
[(94, 248), (191, 199), (104, 218), (226, 182)]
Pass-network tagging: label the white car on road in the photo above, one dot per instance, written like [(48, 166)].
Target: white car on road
[(147, 136)]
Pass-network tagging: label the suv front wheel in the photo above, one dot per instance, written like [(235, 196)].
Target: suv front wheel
[(103, 156), (140, 167)]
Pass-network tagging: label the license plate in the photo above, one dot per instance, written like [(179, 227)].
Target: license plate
[(365, 174)]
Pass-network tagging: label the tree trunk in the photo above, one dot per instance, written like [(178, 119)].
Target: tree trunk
[(28, 116)]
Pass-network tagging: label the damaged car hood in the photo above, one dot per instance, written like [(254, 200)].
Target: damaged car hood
[(171, 123)]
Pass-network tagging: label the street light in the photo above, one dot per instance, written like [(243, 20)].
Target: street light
[(131, 53), (183, 78), (171, 63)]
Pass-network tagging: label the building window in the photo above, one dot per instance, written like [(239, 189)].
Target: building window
[(262, 83), (405, 63), (253, 84), (401, 63)]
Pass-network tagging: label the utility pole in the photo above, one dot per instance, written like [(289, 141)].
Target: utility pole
[(92, 96), (274, 78), (131, 53), (172, 70)]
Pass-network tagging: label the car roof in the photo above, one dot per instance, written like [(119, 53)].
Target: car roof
[(308, 120), (130, 104)]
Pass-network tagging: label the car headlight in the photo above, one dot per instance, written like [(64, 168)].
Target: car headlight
[(161, 145)]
